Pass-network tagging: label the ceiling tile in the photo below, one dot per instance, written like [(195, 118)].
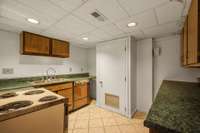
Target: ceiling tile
[(19, 26), (136, 6), (112, 29), (144, 20), (74, 25), (100, 34), (111, 9), (171, 11), (45, 8), (69, 5), (55, 32), (17, 12), (84, 12), (162, 30)]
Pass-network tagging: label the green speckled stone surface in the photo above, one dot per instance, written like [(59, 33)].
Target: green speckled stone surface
[(176, 108), (18, 83)]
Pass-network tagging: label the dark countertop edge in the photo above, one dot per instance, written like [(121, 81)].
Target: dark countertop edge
[(46, 84), (27, 110), (59, 76), (159, 127), (181, 81)]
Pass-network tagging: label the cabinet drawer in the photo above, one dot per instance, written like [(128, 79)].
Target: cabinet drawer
[(67, 93), (59, 87), (80, 103)]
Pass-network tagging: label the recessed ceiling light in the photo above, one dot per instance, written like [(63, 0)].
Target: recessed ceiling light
[(85, 38), (132, 24), (33, 21)]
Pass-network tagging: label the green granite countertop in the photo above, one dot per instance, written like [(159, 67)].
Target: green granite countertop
[(18, 83), (176, 108)]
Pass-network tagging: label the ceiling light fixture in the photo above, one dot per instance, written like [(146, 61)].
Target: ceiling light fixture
[(33, 21), (132, 24), (85, 38)]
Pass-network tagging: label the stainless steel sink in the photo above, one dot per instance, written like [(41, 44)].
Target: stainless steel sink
[(47, 81)]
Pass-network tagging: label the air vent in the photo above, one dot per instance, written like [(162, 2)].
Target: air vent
[(112, 100), (99, 16)]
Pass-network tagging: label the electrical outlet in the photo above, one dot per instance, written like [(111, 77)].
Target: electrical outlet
[(7, 71), (70, 69)]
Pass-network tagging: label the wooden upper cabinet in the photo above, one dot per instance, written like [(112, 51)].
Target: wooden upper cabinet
[(190, 37), (193, 33), (60, 48), (35, 44)]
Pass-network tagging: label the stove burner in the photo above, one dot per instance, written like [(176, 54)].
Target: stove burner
[(15, 105), (47, 98), (34, 92), (8, 95)]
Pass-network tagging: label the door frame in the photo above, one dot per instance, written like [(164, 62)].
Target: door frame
[(127, 110)]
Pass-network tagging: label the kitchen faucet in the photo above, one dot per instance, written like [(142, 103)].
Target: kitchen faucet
[(50, 73)]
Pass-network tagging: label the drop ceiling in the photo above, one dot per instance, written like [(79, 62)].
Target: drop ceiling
[(72, 20)]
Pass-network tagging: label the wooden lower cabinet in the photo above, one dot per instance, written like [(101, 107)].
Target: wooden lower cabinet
[(68, 93), (80, 103), (78, 95), (66, 90), (81, 95)]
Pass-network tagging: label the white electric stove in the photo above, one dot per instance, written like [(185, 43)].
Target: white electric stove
[(32, 111)]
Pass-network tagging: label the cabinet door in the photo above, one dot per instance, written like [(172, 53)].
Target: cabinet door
[(80, 91), (35, 44), (68, 93), (184, 38), (193, 33), (60, 48), (80, 103)]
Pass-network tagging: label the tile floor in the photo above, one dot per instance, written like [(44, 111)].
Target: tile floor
[(92, 119)]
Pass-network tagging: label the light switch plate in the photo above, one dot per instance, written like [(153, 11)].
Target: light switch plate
[(7, 70)]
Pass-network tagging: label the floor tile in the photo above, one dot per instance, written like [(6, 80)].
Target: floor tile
[(71, 124), (81, 124), (68, 131), (109, 122), (95, 115), (80, 131), (112, 129), (97, 130), (127, 129), (83, 116), (122, 121), (72, 116), (107, 114), (92, 119), (95, 123)]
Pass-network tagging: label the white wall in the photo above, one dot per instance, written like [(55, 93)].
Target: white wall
[(167, 65), (92, 61), (144, 75), (92, 70), (36, 65)]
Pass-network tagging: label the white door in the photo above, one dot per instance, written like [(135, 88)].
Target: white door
[(111, 73)]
